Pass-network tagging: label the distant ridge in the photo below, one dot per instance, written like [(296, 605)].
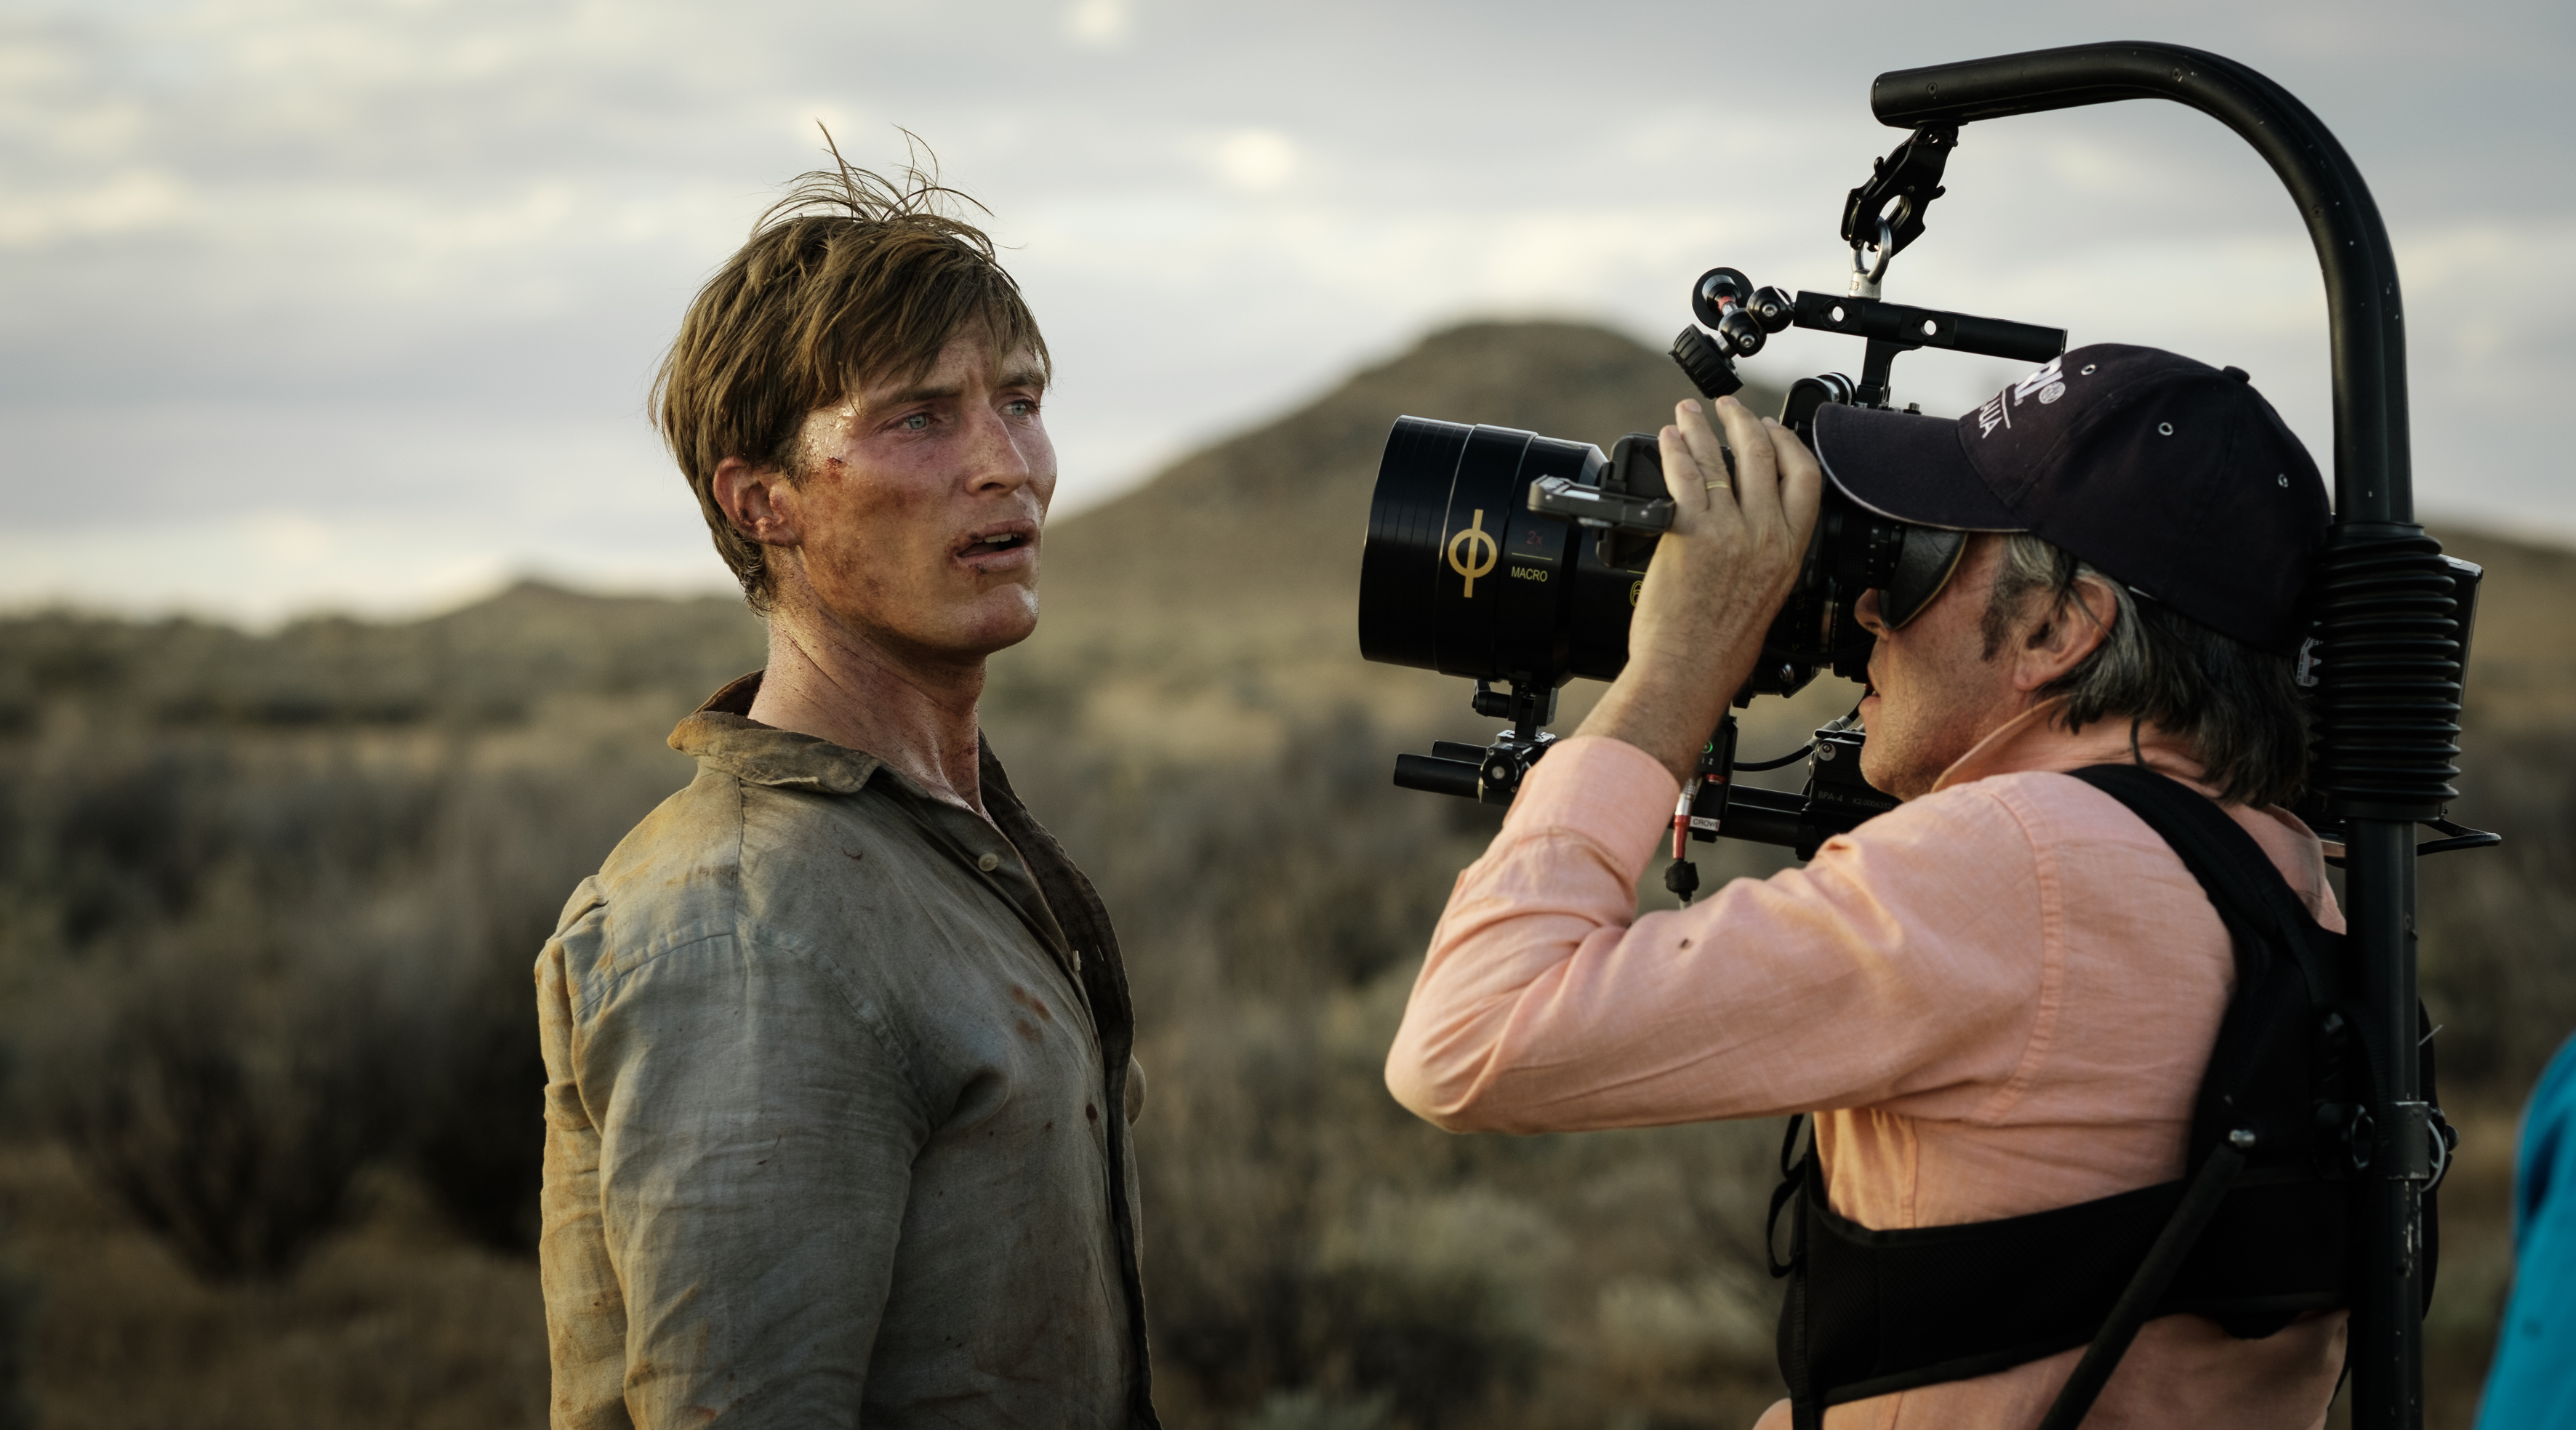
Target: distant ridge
[(1195, 610)]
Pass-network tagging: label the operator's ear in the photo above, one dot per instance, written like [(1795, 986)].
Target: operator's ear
[(2061, 639), (759, 501)]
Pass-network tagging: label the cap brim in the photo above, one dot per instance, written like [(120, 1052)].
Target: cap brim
[(1907, 466)]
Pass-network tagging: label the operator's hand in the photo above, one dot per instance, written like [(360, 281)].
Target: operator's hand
[(1718, 577)]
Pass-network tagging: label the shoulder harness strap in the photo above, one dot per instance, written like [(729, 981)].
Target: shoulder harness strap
[(2252, 1235)]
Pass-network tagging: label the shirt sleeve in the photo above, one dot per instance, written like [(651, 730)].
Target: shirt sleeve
[(1902, 967), (756, 1129)]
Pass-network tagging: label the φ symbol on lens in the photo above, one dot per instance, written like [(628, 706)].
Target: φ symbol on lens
[(1636, 588), (1476, 540)]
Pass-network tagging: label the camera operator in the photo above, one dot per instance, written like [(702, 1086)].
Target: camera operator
[(1999, 997)]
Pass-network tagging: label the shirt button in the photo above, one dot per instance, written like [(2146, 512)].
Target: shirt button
[(989, 862)]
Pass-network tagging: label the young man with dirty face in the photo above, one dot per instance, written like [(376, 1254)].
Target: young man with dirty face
[(838, 1039)]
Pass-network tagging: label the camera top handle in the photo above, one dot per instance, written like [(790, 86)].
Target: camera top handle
[(2389, 725)]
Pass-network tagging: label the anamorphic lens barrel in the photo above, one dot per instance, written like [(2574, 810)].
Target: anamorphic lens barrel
[(1460, 576)]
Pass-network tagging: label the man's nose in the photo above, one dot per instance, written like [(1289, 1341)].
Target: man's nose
[(1866, 611), (995, 461)]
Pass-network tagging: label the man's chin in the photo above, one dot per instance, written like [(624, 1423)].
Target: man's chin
[(961, 634), (1889, 765), (1001, 620)]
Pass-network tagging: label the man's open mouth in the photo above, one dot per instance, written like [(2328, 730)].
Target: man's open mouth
[(996, 541)]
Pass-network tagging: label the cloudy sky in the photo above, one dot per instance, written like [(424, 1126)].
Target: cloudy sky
[(352, 304)]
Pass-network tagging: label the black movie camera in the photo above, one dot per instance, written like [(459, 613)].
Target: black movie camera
[(1515, 560)]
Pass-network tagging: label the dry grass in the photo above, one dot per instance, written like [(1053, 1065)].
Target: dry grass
[(399, 1323), (396, 1324)]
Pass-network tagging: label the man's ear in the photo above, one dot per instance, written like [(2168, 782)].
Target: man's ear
[(759, 501), (2065, 636)]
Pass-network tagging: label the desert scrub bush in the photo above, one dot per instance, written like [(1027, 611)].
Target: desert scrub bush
[(1438, 1301), (2498, 923), (509, 851), (1314, 1410), (1307, 1234), (225, 1090)]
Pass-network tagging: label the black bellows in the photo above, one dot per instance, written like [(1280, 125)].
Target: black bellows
[(2388, 707)]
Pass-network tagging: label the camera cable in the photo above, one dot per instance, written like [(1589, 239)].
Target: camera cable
[(1777, 762), (1681, 877)]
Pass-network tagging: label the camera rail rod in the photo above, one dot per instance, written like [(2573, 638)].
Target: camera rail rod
[(1893, 329), (2384, 772)]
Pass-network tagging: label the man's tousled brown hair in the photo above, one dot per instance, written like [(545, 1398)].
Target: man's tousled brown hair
[(849, 279)]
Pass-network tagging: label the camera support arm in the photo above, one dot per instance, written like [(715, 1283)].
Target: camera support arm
[(2372, 462), (2387, 734)]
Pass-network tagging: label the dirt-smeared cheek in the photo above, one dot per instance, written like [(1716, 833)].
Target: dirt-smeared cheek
[(874, 542)]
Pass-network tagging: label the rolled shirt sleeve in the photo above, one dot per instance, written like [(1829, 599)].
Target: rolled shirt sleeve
[(1869, 977)]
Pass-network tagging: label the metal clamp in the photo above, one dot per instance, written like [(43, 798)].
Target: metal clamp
[(1601, 510), (2411, 1144), (1866, 275)]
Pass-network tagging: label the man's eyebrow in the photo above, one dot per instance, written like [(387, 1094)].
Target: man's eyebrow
[(919, 392), (1016, 375)]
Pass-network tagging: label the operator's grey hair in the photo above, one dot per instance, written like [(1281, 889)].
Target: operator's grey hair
[(2236, 708)]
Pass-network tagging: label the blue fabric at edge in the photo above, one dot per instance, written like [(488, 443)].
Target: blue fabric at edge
[(2532, 1382)]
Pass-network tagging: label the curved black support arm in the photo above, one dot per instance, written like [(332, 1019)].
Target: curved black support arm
[(2372, 473)]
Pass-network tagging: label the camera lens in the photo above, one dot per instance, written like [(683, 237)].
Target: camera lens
[(1461, 577)]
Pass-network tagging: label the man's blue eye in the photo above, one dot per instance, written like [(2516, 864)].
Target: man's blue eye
[(916, 422), (1023, 407)]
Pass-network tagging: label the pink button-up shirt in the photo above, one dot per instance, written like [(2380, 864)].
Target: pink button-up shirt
[(1999, 998)]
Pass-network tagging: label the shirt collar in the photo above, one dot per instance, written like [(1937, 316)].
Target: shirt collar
[(722, 735), (2038, 740)]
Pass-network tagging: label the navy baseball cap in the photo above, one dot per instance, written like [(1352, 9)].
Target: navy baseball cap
[(2172, 476)]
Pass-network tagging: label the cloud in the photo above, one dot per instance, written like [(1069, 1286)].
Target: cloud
[(134, 201), (1256, 160), (1099, 24), (418, 256)]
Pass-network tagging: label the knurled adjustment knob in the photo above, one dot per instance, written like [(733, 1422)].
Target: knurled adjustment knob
[(1706, 364)]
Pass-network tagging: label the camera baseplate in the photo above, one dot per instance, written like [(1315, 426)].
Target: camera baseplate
[(1835, 800)]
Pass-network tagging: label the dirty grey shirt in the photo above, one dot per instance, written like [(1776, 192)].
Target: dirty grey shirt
[(837, 1105)]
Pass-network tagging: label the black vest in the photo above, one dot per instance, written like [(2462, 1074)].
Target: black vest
[(2266, 1233)]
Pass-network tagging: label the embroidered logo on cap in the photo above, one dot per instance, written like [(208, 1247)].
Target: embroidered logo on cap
[(2045, 376), (2046, 381), (1992, 415)]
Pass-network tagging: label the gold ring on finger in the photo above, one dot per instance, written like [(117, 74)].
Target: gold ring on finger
[(1719, 487)]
